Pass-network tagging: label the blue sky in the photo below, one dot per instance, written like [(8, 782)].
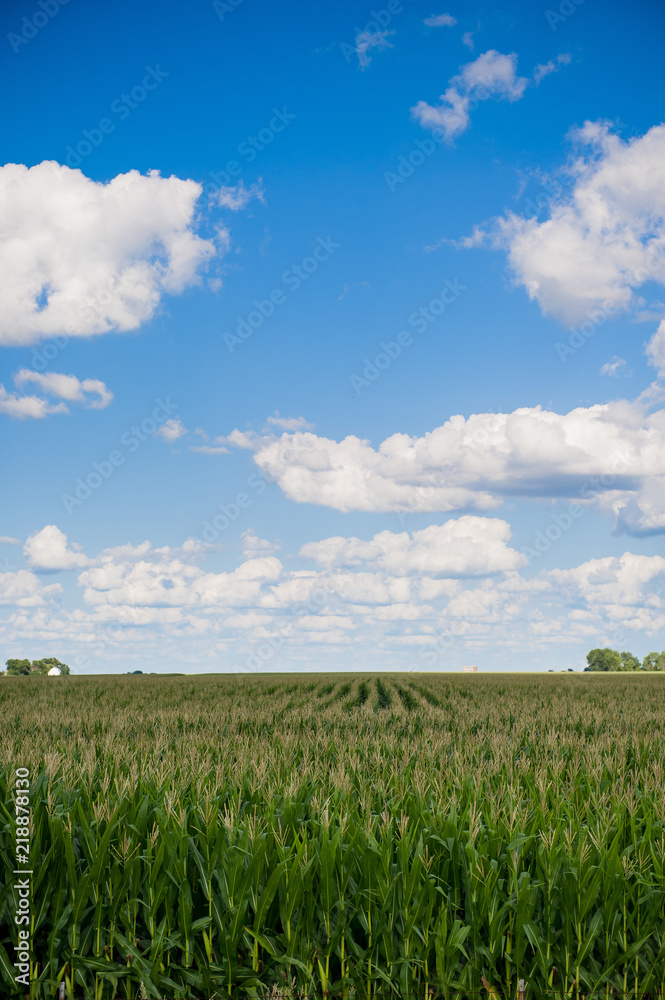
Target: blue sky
[(458, 214)]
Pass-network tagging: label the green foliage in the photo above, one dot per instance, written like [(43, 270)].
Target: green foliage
[(654, 661), (603, 659), (629, 662), (18, 668), (610, 660), (226, 836), (43, 666)]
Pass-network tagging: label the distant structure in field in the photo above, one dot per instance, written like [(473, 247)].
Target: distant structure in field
[(55, 672), (469, 670)]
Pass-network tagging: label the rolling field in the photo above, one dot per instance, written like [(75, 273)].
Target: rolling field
[(335, 835)]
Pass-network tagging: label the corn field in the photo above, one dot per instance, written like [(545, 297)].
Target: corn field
[(399, 836)]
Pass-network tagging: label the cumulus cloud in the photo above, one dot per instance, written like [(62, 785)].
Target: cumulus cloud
[(24, 407), (491, 75), (656, 349), (603, 240), (25, 590), (84, 257), (169, 578), (91, 392), (469, 546), (49, 549), (616, 581), (603, 453), (441, 21), (429, 599), (641, 512), (172, 429), (253, 546)]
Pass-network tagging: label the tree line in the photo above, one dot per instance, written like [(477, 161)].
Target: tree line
[(21, 668), (610, 660)]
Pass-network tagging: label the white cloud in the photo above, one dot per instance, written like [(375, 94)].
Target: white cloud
[(643, 512), (441, 21), (90, 391), (388, 594), (492, 74), (84, 257), (368, 40), (469, 546), (602, 241), (467, 39), (656, 349), (49, 549), (253, 546), (627, 580), (23, 407), (8, 540), (476, 462), (544, 69), (25, 590), (239, 196), (290, 423), (613, 367), (168, 578), (172, 429)]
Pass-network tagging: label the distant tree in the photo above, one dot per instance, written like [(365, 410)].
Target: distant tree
[(44, 665), (654, 661), (629, 662), (603, 659), (17, 668)]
